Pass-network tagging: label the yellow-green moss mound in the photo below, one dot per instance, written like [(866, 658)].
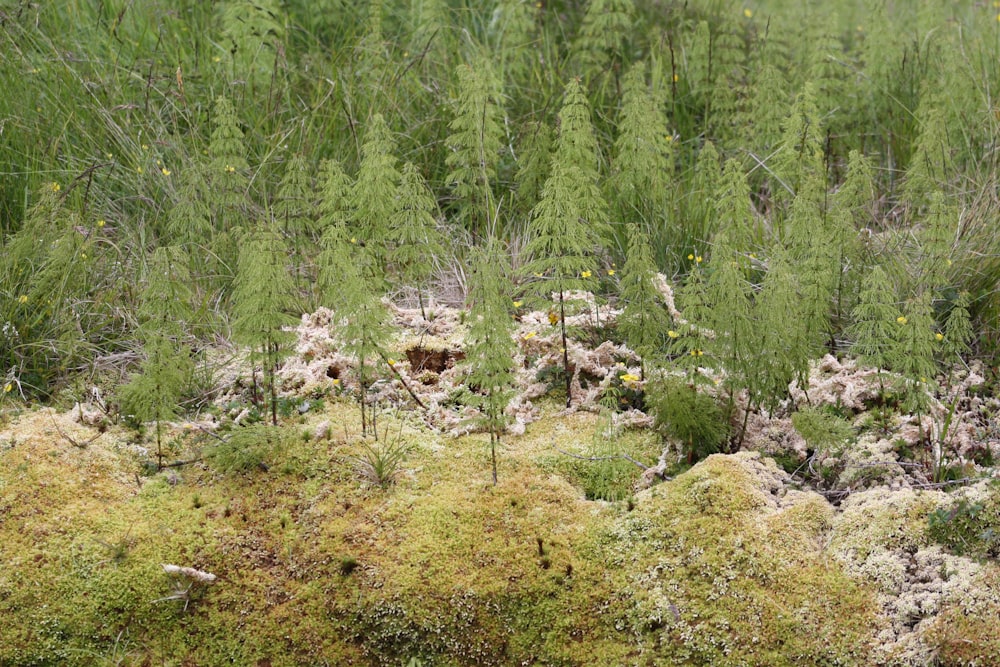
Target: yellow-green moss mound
[(724, 565)]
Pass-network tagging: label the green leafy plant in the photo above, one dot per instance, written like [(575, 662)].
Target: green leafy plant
[(600, 48), (475, 143), (490, 346), (609, 470), (227, 180), (374, 198), (293, 214), (256, 447), (515, 33), (361, 318), (823, 431), (254, 34), (876, 322), (262, 295), (644, 321), (418, 243), (45, 281), (153, 393), (567, 226), (968, 528), (380, 464), (687, 414), (729, 296), (643, 154)]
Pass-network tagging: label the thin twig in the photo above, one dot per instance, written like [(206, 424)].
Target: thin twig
[(938, 485), (178, 464), (205, 430), (763, 166), (884, 463), (71, 440), (406, 386)]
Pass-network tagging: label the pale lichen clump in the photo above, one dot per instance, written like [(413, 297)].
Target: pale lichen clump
[(842, 383), (774, 436), (880, 537), (426, 361), (869, 462), (317, 361)]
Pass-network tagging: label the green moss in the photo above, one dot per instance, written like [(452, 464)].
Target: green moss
[(253, 447), (879, 520), (602, 476), (444, 567), (711, 572)]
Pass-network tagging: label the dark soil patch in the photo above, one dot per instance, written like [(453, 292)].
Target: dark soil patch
[(436, 361)]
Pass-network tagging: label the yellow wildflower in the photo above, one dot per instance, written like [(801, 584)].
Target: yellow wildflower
[(22, 299), (698, 259), (336, 380), (690, 257), (145, 147), (673, 334), (7, 388), (230, 168), (901, 319), (391, 362), (697, 353), (518, 304), (100, 223), (628, 377), (677, 77), (669, 137), (611, 272), (585, 274), (138, 170), (216, 59), (83, 255), (529, 335), (939, 337), (55, 187), (748, 13), (553, 318), (353, 240), (165, 171)]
